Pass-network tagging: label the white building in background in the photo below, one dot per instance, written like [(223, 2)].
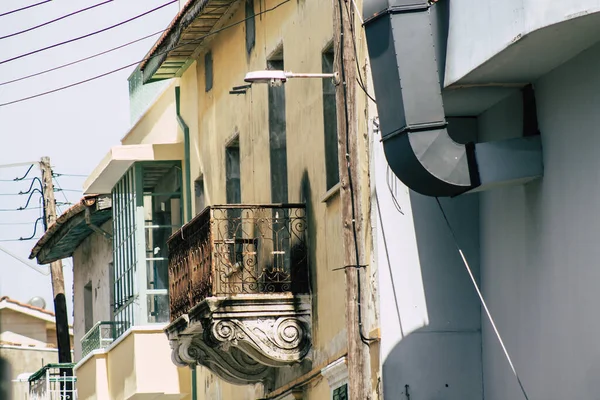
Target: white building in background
[(27, 341), (507, 69)]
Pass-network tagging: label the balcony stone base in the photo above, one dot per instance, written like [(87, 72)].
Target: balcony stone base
[(243, 338)]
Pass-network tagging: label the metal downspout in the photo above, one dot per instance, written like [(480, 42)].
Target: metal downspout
[(186, 145), (188, 193)]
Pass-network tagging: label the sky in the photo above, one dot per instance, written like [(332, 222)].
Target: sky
[(74, 127)]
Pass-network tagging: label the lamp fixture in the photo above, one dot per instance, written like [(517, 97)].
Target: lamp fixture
[(277, 78)]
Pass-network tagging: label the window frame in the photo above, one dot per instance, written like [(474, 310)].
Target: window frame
[(330, 128)]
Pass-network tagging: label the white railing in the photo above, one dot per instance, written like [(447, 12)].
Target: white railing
[(53, 382)]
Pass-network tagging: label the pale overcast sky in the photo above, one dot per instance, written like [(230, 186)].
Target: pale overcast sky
[(75, 127)]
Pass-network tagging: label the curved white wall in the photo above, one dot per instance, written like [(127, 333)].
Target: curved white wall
[(479, 30), (539, 245)]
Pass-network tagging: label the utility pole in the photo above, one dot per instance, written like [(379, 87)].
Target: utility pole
[(350, 195), (56, 268)]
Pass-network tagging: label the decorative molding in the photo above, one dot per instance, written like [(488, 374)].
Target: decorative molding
[(336, 373), (293, 395), (243, 338)]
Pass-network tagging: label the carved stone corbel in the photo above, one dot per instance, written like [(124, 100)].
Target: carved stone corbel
[(243, 338), (233, 366)]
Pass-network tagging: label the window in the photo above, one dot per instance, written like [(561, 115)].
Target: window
[(208, 71), (341, 393), (88, 306), (233, 194), (250, 26), (336, 374), (200, 201), (124, 248), (162, 214), (278, 157), (332, 170), (232, 172), (277, 135), (147, 209), (111, 286)]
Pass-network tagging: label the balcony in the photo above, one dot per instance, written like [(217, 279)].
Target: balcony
[(53, 382), (102, 334), (239, 291), (134, 366)]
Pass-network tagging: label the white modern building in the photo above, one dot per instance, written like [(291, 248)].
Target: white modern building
[(522, 70)]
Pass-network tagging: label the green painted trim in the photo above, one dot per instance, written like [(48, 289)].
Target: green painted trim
[(186, 145), (194, 384)]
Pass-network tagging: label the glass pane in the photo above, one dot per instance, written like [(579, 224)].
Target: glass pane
[(158, 273), (158, 308), (341, 393)]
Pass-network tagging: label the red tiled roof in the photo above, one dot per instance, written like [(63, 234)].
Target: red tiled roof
[(29, 306)]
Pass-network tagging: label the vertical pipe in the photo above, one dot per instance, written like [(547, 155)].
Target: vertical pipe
[(186, 145), (194, 384), (188, 192)]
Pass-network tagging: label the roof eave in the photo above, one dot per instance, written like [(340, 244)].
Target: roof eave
[(161, 54), (47, 248)]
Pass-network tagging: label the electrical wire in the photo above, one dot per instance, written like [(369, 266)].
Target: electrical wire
[(91, 57), (366, 340), (68, 190), (359, 80), (61, 190), (55, 20), (26, 173), (87, 35), (35, 224), (80, 61), (74, 175), (20, 239), (481, 299), (30, 196), (25, 8), (138, 62), (33, 180), (15, 180), (32, 266), (18, 209)]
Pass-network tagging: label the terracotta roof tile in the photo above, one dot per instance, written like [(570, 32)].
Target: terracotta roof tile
[(18, 303)]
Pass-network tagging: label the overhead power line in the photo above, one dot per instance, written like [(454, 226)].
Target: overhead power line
[(43, 271), (90, 57), (25, 8), (55, 20), (138, 62), (87, 35), (73, 175), (80, 61)]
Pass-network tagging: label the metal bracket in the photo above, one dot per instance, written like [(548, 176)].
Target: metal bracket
[(95, 228), (415, 128), (407, 8)]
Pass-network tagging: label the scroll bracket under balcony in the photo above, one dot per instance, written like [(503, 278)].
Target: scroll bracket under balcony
[(247, 334)]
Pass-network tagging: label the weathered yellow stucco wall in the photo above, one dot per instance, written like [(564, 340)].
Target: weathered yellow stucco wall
[(304, 29)]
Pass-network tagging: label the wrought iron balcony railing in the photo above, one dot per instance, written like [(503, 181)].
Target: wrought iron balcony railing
[(238, 249), (53, 382), (102, 334)]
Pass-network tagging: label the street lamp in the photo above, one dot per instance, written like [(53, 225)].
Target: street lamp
[(277, 78)]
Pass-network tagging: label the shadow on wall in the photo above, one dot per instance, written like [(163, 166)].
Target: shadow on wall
[(306, 198), (441, 360), (5, 380)]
